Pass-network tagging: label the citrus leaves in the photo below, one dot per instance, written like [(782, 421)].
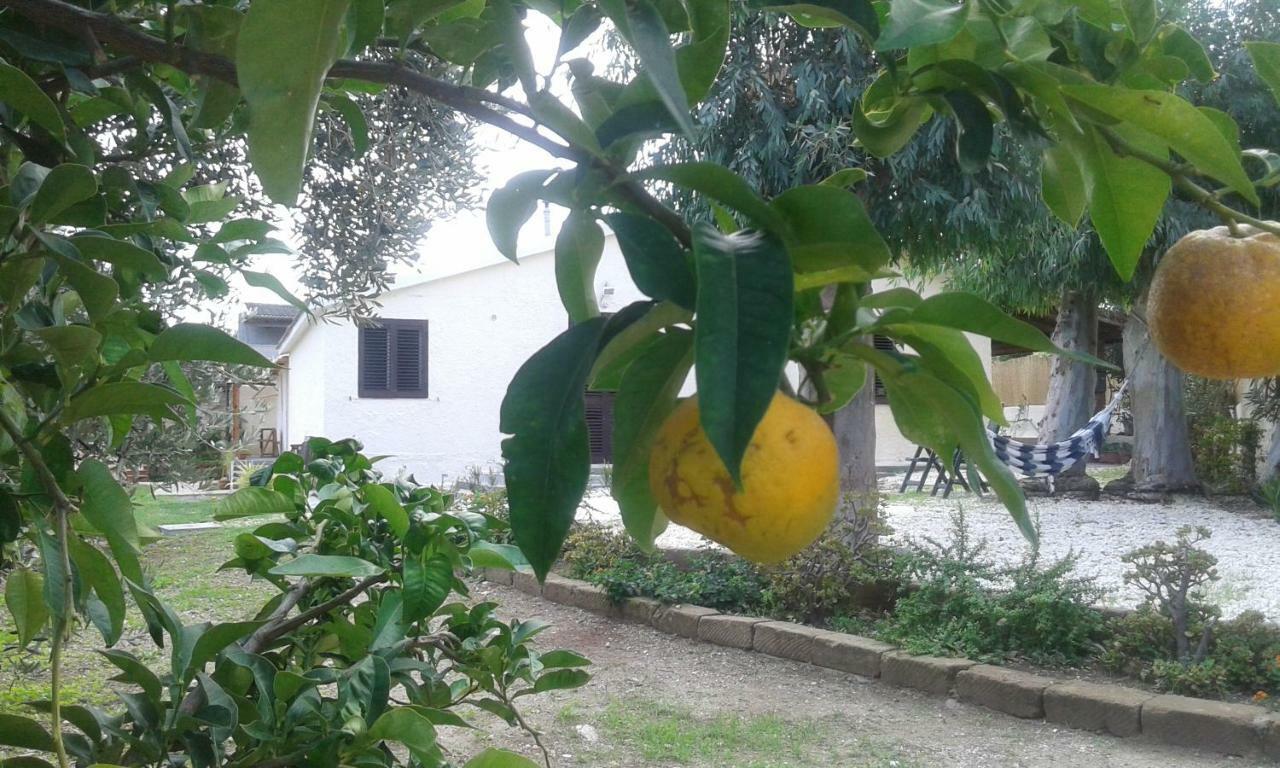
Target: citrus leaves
[(284, 50), (914, 23), (547, 458), (1266, 60), (742, 334), (23, 596), (192, 341)]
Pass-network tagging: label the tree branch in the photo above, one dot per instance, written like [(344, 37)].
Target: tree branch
[(478, 103), (272, 630)]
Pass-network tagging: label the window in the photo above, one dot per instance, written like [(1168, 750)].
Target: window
[(884, 344), (599, 408), (393, 359)]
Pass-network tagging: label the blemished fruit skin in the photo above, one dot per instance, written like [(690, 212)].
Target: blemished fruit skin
[(1214, 305), (790, 481)]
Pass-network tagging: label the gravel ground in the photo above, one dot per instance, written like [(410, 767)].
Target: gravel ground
[(1246, 542), (838, 719)]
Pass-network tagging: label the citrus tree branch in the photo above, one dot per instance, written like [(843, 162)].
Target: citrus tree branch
[(1189, 189), (137, 46), (63, 509)]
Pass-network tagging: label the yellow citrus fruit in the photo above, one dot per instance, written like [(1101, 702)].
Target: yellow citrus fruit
[(790, 481), (1214, 306)]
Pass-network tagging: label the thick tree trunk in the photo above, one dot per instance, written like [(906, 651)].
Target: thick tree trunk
[(1070, 401), (1161, 439)]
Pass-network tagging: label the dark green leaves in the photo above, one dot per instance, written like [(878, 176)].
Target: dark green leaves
[(547, 456), (65, 186), (125, 397), (1126, 197), (1266, 60), (653, 45), (578, 249), (510, 206), (382, 500), (21, 92), (914, 23), (742, 334), (284, 50), (192, 341), (645, 398), (832, 237), (657, 263), (499, 758), (977, 131), (427, 582), (1062, 184), (23, 596)]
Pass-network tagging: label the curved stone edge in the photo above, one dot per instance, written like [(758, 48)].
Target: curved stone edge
[(1216, 726)]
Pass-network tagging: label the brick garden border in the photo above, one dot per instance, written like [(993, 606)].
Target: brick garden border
[(1217, 726)]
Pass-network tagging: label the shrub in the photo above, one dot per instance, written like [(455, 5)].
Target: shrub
[(835, 576), (961, 603), (1170, 575), (1268, 495)]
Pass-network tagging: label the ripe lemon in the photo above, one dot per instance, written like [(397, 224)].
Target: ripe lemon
[(1214, 306), (790, 481)]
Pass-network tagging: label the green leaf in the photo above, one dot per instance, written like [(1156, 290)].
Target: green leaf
[(135, 673), (657, 263), (560, 679), (833, 238), (24, 733), (559, 659), (271, 283), (251, 501), (652, 44), (884, 133), (73, 346), (1177, 42), (579, 247), (95, 570), (108, 508), (214, 29), (499, 758), (844, 178), (547, 457), (915, 23), (427, 583), (858, 15), (123, 397), (486, 554), (190, 342), (646, 397), (1062, 184), (284, 51), (741, 337), (21, 92), (977, 131), (1126, 197), (1173, 120), (327, 565), (510, 206), (951, 358), (353, 116), (242, 229), (721, 184), (96, 290), (24, 597), (66, 185), (365, 20), (382, 500), (1266, 60), (1140, 17), (407, 726), (122, 254)]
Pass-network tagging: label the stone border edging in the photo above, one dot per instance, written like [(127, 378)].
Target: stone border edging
[(1217, 726)]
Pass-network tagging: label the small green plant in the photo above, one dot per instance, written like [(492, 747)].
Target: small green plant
[(956, 601), (1224, 448), (1268, 495), (1171, 575)]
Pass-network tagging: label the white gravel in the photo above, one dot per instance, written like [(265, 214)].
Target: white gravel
[(1246, 543)]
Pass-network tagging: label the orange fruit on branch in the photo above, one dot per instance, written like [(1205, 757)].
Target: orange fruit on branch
[(1214, 305), (790, 481)]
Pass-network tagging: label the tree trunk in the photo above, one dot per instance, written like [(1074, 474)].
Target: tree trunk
[(1271, 467), (1070, 402), (1161, 440), (855, 429)]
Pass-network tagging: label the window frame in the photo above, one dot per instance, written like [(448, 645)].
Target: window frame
[(392, 325)]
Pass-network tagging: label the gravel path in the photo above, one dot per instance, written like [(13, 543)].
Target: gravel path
[(1246, 543), (843, 720)]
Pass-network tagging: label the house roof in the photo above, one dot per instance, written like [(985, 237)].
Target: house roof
[(259, 311)]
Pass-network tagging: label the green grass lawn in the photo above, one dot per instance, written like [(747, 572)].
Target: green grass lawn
[(152, 510)]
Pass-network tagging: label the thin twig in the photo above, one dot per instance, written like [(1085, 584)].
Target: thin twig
[(63, 509)]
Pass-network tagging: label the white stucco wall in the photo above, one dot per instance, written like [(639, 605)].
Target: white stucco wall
[(483, 324)]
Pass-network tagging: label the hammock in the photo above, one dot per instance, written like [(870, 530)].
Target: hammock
[(1052, 459)]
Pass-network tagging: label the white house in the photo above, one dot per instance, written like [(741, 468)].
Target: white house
[(425, 387)]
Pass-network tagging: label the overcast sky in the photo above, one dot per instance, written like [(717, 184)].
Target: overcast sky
[(462, 242)]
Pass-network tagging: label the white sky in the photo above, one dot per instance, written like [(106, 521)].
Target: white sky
[(462, 241)]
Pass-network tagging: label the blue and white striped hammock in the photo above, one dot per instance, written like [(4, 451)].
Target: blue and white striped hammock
[(1052, 459)]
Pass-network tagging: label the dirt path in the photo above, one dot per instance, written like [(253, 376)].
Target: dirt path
[(657, 700)]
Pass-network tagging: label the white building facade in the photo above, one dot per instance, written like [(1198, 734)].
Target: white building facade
[(478, 326)]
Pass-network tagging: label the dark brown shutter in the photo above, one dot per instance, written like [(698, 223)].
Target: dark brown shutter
[(599, 408), (375, 350), (884, 344), (393, 359)]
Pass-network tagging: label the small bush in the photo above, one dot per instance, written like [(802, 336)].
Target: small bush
[(963, 604), (1206, 679), (833, 576)]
